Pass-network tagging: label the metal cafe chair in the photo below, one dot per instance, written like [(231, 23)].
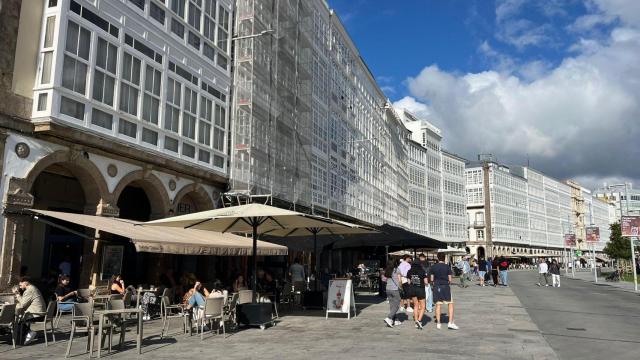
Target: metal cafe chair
[(49, 317), (230, 309), (213, 310), (118, 320), (82, 321), (8, 321), (245, 296), (168, 312)]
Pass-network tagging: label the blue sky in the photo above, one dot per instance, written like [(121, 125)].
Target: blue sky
[(555, 81), (398, 39)]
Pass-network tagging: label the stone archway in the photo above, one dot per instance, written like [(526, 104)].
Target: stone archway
[(87, 190), (153, 188), (78, 164), (194, 194)]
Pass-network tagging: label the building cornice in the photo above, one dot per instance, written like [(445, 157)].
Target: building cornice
[(69, 136)]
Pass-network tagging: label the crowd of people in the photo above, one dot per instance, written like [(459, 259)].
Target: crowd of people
[(414, 286), (493, 271)]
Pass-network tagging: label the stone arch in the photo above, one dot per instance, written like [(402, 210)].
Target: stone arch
[(198, 194), (152, 186), (77, 162)]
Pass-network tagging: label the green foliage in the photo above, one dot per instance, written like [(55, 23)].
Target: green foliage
[(618, 247)]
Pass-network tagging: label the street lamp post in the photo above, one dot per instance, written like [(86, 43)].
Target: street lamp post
[(631, 239)]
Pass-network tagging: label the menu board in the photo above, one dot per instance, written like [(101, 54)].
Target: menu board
[(340, 298)]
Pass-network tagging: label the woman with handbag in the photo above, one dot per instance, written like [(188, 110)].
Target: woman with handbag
[(393, 288)]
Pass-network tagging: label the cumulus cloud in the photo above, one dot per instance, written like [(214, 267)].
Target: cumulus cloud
[(579, 119)]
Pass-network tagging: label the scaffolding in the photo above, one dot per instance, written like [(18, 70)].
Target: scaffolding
[(312, 128), (271, 142)]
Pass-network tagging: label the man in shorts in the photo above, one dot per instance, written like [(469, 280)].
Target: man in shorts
[(441, 279)]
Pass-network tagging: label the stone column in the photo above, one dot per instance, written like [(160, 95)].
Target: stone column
[(92, 252), (16, 200)]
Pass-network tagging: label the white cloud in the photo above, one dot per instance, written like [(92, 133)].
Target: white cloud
[(579, 120)]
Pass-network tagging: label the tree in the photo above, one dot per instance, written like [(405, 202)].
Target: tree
[(618, 247)]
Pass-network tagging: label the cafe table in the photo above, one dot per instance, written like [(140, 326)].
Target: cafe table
[(104, 313)]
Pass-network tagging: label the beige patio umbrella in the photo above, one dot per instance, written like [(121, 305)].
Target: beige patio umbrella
[(255, 219), (331, 227)]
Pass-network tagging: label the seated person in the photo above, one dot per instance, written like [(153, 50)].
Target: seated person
[(64, 295), (218, 290), (117, 285), (31, 306), (239, 284), (196, 296)]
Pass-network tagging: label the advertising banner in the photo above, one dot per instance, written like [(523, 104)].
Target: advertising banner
[(569, 240), (592, 234), (630, 226)]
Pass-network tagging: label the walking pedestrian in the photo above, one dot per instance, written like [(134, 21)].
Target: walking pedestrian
[(543, 268), (417, 281), (482, 269), (494, 271), (441, 279), (393, 293), (425, 266), (405, 265), (554, 269), (465, 269), (503, 267)]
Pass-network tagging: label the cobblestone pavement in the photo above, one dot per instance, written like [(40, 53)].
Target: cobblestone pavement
[(492, 323)]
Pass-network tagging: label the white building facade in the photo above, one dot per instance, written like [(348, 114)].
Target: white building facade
[(116, 108), (515, 212), (436, 184)]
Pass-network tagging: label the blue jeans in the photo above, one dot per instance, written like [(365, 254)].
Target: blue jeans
[(65, 306), (504, 278), (429, 298), (197, 300)]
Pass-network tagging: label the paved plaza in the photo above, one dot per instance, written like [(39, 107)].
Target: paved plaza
[(492, 323)]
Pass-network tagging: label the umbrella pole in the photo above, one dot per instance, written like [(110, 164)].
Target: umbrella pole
[(254, 261), (315, 265)]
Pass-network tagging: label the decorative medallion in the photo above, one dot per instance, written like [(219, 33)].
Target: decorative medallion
[(112, 170), (22, 150), (172, 185)]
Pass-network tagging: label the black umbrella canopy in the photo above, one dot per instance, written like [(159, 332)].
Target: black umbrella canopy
[(390, 235)]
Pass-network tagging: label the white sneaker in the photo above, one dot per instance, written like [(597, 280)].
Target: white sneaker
[(31, 336), (452, 326), (409, 309), (397, 323), (438, 326), (389, 322)]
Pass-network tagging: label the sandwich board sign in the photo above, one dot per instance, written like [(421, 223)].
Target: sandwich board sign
[(340, 298)]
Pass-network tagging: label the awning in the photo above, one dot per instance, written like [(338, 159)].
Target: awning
[(392, 236), (166, 240)]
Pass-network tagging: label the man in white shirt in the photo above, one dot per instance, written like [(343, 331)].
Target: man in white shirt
[(543, 269)]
